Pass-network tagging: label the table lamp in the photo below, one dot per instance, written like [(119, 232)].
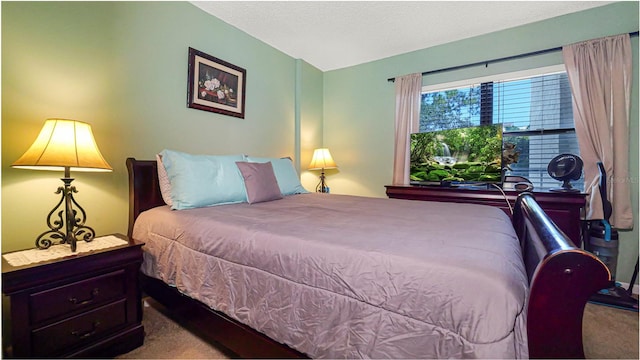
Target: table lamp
[(64, 145), (322, 160)]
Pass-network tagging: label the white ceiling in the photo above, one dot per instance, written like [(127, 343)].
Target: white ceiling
[(336, 34)]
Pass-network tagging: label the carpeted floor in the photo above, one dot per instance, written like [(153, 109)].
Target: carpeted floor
[(165, 339), (609, 333)]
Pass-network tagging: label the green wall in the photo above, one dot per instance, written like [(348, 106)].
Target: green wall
[(122, 67), (359, 102), (309, 134)]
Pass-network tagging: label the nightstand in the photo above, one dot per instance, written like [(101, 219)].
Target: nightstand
[(84, 305), (565, 209)]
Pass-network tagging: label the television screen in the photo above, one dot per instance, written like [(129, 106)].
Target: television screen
[(458, 156)]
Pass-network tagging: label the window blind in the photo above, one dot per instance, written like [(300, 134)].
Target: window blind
[(537, 116)]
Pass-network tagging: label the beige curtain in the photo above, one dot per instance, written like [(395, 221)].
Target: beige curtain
[(599, 72), (408, 93)]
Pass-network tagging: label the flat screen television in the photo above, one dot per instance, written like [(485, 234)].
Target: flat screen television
[(470, 156)]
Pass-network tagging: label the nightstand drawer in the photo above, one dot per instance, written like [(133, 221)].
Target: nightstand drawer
[(50, 340), (76, 296)]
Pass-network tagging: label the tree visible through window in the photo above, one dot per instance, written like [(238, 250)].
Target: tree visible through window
[(450, 109), (536, 114)]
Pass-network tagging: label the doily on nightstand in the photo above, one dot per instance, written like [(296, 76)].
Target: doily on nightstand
[(30, 256)]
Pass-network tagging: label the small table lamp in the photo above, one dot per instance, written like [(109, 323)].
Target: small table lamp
[(322, 160), (64, 145)]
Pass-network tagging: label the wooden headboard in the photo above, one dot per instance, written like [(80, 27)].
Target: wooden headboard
[(144, 188)]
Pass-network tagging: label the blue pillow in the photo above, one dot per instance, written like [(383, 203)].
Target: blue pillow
[(203, 180), (288, 179)]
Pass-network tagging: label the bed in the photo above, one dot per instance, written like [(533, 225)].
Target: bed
[(311, 275)]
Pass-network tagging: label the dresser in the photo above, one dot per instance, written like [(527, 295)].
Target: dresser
[(84, 305), (565, 209)]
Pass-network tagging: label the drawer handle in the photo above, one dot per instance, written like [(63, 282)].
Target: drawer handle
[(88, 333), (75, 301)]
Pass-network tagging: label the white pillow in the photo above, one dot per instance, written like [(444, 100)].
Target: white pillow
[(163, 180)]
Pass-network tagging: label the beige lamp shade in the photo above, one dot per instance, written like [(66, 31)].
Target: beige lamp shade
[(322, 160), (64, 144)]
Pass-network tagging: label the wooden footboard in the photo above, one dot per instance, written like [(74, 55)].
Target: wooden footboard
[(561, 276)]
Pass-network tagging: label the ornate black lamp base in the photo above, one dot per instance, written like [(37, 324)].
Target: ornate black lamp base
[(322, 186), (73, 224)]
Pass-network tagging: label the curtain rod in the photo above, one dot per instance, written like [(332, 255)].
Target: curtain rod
[(487, 62)]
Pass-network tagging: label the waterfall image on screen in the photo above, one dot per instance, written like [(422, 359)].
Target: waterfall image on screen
[(465, 155)]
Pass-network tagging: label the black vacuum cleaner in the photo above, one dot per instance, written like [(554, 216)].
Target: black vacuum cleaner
[(603, 242)]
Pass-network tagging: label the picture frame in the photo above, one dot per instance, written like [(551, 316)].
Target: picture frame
[(215, 85)]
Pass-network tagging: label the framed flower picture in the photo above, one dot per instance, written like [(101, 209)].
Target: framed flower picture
[(215, 85)]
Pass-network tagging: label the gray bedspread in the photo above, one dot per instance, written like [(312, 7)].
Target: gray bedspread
[(338, 276)]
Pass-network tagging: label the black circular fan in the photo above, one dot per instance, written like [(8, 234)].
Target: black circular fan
[(565, 167)]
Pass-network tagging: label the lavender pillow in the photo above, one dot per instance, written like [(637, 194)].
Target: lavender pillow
[(259, 181)]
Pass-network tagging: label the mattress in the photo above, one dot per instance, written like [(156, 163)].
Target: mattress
[(337, 276)]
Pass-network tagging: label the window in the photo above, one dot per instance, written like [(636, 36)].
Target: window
[(535, 112)]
